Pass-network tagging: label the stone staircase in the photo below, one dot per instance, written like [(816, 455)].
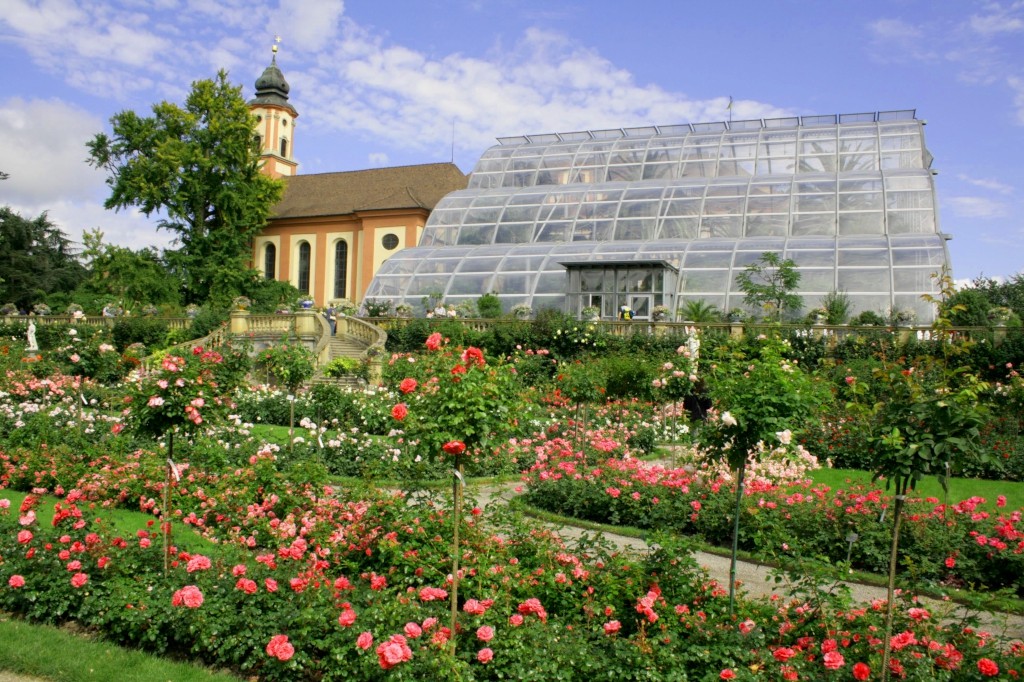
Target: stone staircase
[(342, 346)]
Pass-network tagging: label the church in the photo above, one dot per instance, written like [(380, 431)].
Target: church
[(332, 231)]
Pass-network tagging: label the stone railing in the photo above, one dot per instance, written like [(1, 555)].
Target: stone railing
[(172, 323)]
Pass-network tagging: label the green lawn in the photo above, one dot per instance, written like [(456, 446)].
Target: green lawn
[(57, 655), (959, 488)]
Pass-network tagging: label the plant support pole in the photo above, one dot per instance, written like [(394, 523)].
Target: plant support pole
[(736, 535), (457, 480)]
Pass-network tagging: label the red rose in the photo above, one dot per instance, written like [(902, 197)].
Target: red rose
[(399, 411), (454, 447)]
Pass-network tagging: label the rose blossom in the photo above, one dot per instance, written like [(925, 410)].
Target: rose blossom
[(400, 411), (988, 667), (393, 652), (434, 341), (16, 581), (408, 385), (611, 627), (79, 579), (861, 671), (280, 648), (833, 660), (347, 618), (485, 655), (485, 633), (188, 596), (364, 641)]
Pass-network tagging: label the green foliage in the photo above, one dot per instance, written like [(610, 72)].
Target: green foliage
[(126, 277), (837, 307), (36, 259), (378, 308), (339, 367), (290, 363), (700, 311), (489, 306), (199, 167), (764, 392), (149, 331), (180, 396), (769, 283), (868, 318), (268, 294)]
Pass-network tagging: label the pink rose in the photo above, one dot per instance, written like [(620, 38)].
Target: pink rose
[(280, 648), (364, 641), (833, 660), (611, 627), (79, 579), (347, 618), (485, 655), (16, 581), (400, 411), (413, 630), (393, 652), (188, 596), (485, 633)]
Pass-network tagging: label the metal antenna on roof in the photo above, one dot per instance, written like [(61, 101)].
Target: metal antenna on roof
[(729, 108), (453, 140)]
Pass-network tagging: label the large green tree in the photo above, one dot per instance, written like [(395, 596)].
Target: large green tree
[(36, 259), (131, 278), (198, 168)]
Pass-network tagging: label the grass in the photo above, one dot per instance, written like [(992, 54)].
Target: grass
[(121, 522), (59, 655), (959, 488)]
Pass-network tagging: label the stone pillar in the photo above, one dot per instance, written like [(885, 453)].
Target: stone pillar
[(239, 322)]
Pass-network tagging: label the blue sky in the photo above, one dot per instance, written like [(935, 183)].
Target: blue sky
[(381, 83)]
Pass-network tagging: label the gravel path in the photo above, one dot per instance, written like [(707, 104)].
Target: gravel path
[(753, 578)]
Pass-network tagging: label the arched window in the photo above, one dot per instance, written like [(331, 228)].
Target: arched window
[(284, 148), (304, 267), (270, 262), (340, 268), (258, 140)]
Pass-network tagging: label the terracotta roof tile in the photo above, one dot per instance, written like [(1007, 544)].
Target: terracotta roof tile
[(327, 194)]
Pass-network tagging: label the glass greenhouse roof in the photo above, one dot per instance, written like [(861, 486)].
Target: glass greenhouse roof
[(849, 198)]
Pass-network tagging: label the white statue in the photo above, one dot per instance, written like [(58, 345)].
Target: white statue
[(32, 336)]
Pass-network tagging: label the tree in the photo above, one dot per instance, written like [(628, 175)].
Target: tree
[(199, 168), (131, 278), (36, 259), (769, 283)]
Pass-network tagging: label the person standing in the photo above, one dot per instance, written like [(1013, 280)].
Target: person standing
[(332, 319)]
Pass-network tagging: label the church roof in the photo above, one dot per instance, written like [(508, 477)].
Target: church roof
[(331, 194)]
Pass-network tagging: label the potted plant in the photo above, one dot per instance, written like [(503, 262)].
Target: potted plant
[(8, 309), (659, 313), (72, 309), (41, 309), (591, 312), (403, 310), (191, 310), (305, 301), (149, 310), (522, 311), (241, 303)]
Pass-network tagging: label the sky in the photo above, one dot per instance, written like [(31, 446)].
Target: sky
[(397, 82)]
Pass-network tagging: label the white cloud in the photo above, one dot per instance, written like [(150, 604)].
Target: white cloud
[(976, 207), (1017, 86), (44, 150), (377, 159), (986, 183), (895, 40), (999, 20)]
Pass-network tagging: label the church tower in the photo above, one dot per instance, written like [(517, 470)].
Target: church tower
[(275, 121)]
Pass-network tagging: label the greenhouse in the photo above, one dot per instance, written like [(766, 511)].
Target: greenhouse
[(660, 216)]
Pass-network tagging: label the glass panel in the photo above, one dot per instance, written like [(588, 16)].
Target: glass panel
[(820, 281), (809, 259), (550, 283), (814, 224), (862, 201), (723, 206), (476, 234), (518, 233), (625, 173), (722, 226), (674, 228), (861, 223), (434, 265), (814, 203), (635, 228), (638, 209), (713, 259), (480, 264), (515, 214), (863, 257), (421, 286), (768, 204), (682, 207), (918, 257), (912, 279), (868, 279), (917, 222), (908, 200), (470, 284), (482, 215), (553, 232), (713, 281)]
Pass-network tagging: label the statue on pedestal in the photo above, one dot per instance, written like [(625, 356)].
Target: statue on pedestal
[(32, 345)]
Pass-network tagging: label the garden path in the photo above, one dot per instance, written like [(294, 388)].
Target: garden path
[(755, 579)]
